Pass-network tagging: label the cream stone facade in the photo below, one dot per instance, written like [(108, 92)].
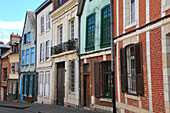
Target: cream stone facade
[(62, 18), (44, 66)]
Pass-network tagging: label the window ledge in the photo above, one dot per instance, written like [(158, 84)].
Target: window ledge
[(41, 33), (130, 25), (167, 7), (105, 100), (48, 30), (132, 97)]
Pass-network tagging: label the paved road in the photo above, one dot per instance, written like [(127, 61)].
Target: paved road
[(39, 108)]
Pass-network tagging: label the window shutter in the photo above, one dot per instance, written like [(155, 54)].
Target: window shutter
[(123, 70), (138, 69), (28, 81), (97, 79), (33, 85), (23, 83)]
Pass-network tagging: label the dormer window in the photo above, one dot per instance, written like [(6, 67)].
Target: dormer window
[(27, 38)]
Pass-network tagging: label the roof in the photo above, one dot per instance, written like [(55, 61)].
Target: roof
[(81, 7), (42, 6), (32, 20), (6, 54), (4, 46)]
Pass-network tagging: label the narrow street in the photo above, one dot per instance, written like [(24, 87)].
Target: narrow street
[(11, 107)]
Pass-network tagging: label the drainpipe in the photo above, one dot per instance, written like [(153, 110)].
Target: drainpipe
[(79, 19), (112, 56)]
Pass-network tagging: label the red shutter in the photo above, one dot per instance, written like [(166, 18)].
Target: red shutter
[(123, 70), (97, 79), (138, 69)]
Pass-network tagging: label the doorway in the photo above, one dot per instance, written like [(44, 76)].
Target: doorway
[(86, 89), (60, 83), (5, 94)]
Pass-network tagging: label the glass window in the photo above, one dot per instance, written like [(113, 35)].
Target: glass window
[(60, 2), (47, 84), (42, 23), (130, 52), (12, 68), (16, 67), (32, 55), (27, 57), (47, 20), (132, 11), (10, 86), (47, 50), (25, 85), (72, 76), (72, 29), (61, 34), (105, 25), (14, 87), (107, 79), (30, 85), (23, 56), (90, 31)]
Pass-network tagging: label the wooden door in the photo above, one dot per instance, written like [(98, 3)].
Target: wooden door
[(86, 88), (60, 83), (5, 94)]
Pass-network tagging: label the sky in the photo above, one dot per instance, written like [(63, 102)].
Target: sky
[(12, 16)]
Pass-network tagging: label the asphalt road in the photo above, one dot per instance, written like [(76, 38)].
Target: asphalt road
[(39, 108)]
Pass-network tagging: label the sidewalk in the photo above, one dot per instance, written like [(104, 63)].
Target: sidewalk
[(16, 105)]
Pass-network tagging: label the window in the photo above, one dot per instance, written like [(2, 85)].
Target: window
[(47, 50), (47, 20), (10, 86), (105, 39), (30, 85), (72, 29), (41, 83), (42, 24), (61, 33), (41, 52), (22, 58), (27, 57), (32, 55), (131, 69), (90, 37), (14, 87), (27, 38), (12, 68), (16, 68), (107, 79), (132, 10), (47, 84), (72, 76), (5, 74), (86, 68)]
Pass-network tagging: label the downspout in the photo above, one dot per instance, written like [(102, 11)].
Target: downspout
[(112, 56), (79, 20), (19, 66)]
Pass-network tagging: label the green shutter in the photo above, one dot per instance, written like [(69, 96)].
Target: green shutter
[(33, 85), (28, 81)]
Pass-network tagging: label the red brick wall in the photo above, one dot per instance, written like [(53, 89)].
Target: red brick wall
[(154, 9), (5, 64), (156, 71)]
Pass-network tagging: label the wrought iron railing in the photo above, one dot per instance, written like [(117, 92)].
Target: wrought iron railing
[(64, 47)]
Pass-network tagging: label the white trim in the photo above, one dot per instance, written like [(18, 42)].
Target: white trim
[(147, 11), (118, 81), (149, 69)]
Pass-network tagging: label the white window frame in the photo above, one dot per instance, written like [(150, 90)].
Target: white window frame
[(47, 84), (14, 88), (47, 20), (72, 28), (41, 81), (129, 68), (47, 50), (32, 55), (10, 85), (131, 13), (42, 23), (16, 67), (72, 68), (12, 68)]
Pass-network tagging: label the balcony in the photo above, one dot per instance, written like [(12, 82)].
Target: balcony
[(64, 47)]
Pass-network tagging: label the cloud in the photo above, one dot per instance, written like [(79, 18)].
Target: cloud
[(12, 25)]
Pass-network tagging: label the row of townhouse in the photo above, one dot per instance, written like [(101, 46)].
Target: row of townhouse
[(65, 55)]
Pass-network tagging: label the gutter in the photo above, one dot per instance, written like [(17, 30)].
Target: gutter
[(112, 56), (79, 19)]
